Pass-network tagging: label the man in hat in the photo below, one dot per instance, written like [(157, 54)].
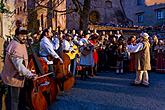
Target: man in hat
[(142, 60), (15, 68)]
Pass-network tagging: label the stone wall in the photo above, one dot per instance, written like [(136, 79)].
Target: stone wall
[(7, 20), (1, 53), (107, 13), (61, 17)]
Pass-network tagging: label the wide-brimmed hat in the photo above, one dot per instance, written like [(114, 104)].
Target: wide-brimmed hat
[(144, 35), (22, 30)]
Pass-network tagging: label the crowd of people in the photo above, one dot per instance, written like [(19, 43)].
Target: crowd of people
[(90, 53), (110, 47)]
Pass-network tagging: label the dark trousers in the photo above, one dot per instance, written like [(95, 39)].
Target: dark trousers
[(14, 93), (95, 69)]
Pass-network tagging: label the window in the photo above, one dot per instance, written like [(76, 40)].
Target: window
[(15, 11), (140, 18), (160, 14), (24, 9), (20, 9), (139, 2), (108, 3)]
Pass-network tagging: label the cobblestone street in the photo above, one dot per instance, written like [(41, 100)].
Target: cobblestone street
[(109, 91)]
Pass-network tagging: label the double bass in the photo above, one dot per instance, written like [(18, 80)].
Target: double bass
[(43, 89), (63, 77)]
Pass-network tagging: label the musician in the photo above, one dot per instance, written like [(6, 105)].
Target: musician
[(94, 42), (132, 40), (46, 48), (160, 56), (73, 52), (142, 57), (118, 35), (95, 33), (86, 60), (120, 52), (56, 41), (75, 37), (15, 68)]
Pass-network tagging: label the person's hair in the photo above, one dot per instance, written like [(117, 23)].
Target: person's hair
[(155, 38), (130, 39), (43, 33)]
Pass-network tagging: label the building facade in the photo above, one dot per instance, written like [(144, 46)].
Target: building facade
[(145, 12), (42, 9), (7, 20), (102, 12)]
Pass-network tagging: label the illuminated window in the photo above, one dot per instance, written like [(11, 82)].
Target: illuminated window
[(160, 14)]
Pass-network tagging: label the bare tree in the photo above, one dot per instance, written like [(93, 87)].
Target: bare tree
[(32, 16), (51, 5), (83, 10)]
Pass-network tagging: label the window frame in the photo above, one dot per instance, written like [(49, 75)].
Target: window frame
[(160, 15), (140, 17), (108, 4)]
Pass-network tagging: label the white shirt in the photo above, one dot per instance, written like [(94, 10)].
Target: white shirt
[(66, 45), (46, 48), (18, 64), (56, 43), (135, 48), (83, 41)]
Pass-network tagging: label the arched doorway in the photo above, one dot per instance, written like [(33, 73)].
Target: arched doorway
[(94, 17)]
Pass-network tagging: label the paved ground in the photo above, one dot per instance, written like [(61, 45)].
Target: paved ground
[(109, 91)]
